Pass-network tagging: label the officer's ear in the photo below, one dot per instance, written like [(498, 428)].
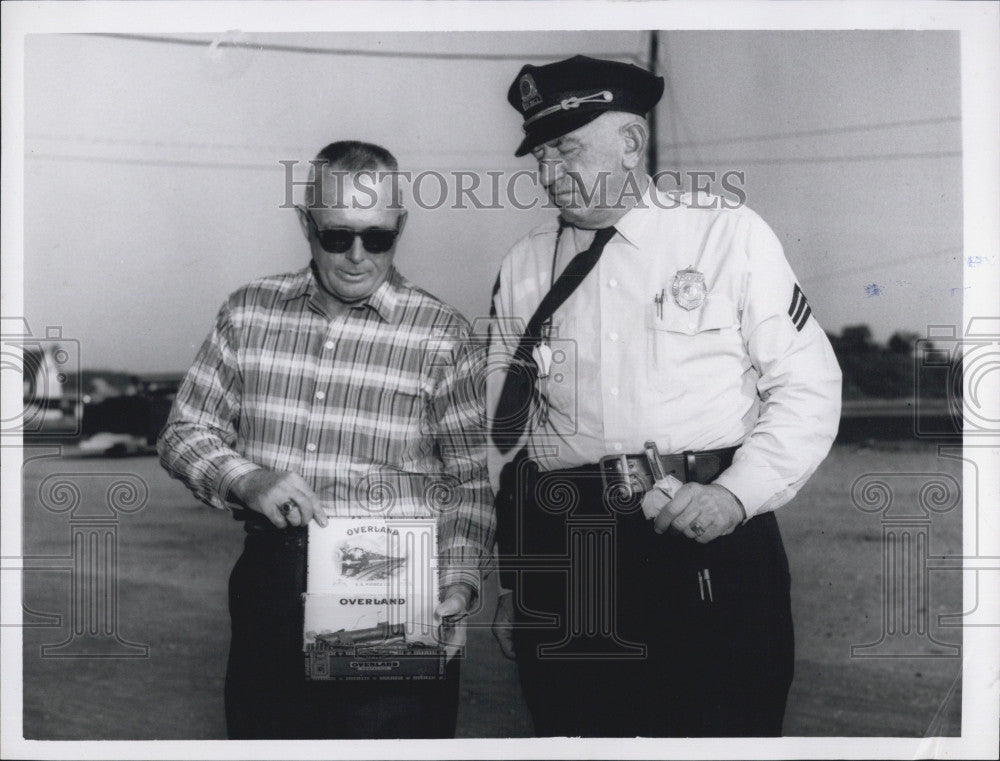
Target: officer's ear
[(635, 136)]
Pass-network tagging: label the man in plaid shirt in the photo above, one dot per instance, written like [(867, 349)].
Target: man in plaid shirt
[(343, 389)]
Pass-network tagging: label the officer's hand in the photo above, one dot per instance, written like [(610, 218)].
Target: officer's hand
[(264, 491), (714, 507), (450, 614), (503, 624)]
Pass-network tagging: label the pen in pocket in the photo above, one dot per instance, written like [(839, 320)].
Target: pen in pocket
[(658, 301)]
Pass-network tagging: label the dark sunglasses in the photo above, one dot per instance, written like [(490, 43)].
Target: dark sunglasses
[(338, 240)]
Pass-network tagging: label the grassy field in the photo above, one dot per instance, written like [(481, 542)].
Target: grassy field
[(174, 559)]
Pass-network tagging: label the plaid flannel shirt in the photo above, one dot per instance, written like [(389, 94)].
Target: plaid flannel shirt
[(380, 411)]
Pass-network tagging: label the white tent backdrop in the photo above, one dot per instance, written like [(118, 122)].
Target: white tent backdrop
[(153, 188)]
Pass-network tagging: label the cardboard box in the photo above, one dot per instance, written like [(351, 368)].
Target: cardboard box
[(370, 595)]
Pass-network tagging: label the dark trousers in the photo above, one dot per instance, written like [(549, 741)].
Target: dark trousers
[(267, 694), (640, 646)]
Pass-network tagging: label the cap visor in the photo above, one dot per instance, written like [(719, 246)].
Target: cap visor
[(556, 126)]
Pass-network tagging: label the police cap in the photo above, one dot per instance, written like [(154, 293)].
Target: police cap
[(563, 96)]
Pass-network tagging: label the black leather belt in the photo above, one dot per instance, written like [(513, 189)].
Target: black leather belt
[(632, 471)]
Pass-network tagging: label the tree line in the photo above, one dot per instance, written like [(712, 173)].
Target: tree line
[(888, 371)]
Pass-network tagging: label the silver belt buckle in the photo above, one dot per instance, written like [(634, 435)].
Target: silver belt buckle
[(617, 464)]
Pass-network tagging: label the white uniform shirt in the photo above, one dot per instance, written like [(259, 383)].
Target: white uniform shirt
[(750, 366)]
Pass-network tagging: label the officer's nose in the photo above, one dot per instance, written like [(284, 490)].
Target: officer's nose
[(549, 170)]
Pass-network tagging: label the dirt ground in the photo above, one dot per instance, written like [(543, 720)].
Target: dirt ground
[(174, 557)]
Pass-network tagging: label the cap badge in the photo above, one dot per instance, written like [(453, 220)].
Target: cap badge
[(689, 288), (529, 92)]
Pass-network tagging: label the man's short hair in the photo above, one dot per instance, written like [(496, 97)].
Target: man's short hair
[(352, 157), (355, 156)]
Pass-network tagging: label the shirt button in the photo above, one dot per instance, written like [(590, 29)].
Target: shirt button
[(613, 336), (328, 345), (614, 390), (617, 446), (320, 395), (613, 283), (310, 447)]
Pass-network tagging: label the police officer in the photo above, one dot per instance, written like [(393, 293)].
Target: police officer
[(665, 388)]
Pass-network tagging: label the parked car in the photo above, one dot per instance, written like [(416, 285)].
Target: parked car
[(129, 422)]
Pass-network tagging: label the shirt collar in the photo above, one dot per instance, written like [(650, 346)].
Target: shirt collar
[(386, 300), (636, 221), (300, 284)]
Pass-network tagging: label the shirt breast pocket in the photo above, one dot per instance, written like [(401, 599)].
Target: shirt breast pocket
[(693, 341), (405, 405)]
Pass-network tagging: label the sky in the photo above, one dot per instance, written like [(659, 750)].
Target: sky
[(152, 186)]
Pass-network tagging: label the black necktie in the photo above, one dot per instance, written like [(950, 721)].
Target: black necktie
[(514, 406)]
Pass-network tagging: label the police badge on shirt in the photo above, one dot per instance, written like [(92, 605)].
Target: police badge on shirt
[(689, 288), (687, 305)]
